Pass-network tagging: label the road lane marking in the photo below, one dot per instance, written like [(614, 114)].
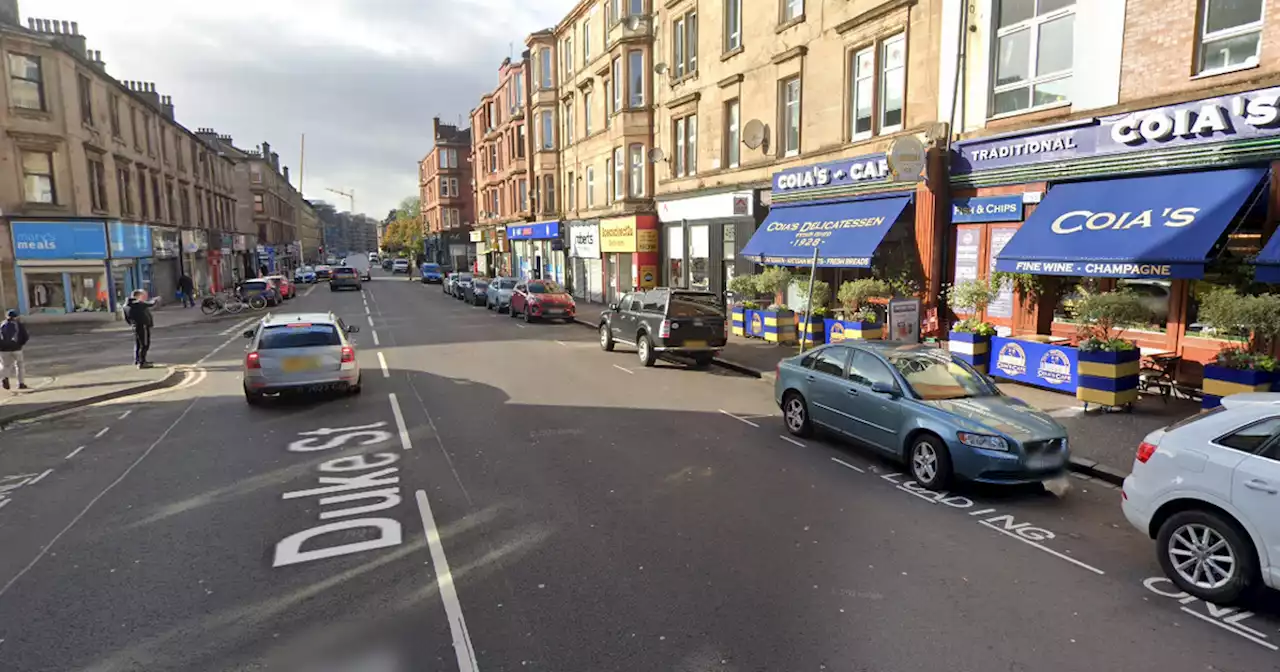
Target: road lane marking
[(1232, 630), (101, 432), (375, 337), (563, 343), (382, 361), (742, 420), (405, 444), (370, 320), (519, 325), (1042, 547), (238, 325), (792, 441), (73, 453), (860, 470), (366, 309), (623, 368), (49, 546), (39, 478), (229, 341), (125, 414), (444, 580)]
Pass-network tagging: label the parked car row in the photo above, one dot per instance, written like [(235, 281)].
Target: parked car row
[(274, 289)]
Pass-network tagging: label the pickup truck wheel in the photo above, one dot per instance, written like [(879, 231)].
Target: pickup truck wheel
[(606, 338), (644, 349)]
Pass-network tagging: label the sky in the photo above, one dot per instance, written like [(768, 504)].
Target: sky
[(361, 78)]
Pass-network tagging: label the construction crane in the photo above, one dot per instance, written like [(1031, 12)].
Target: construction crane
[(351, 196)]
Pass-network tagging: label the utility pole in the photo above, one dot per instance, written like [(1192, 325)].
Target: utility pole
[(351, 196)]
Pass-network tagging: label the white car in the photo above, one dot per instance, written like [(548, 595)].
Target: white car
[(307, 352), (400, 266), (1207, 489)]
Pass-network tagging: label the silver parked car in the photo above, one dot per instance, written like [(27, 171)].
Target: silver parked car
[(498, 296), (300, 352), (462, 284)]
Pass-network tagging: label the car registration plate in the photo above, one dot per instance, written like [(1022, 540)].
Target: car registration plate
[(695, 344), (1044, 461), (554, 311), (296, 364)]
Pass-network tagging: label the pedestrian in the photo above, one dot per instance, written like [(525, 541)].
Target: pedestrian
[(137, 314), (188, 290), (13, 335)]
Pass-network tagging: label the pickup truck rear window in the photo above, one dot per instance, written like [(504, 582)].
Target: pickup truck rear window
[(686, 306)]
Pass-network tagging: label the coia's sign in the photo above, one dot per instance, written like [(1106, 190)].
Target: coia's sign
[(858, 170)]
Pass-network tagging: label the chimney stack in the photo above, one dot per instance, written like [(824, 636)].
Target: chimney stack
[(275, 162), (9, 13), (285, 171), (166, 107)]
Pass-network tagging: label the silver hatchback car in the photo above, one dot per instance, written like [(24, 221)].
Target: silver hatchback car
[(498, 295), (300, 352)]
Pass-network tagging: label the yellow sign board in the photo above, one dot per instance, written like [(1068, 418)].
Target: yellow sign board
[(618, 235)]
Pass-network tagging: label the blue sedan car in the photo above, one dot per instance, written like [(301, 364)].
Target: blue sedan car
[(920, 405)]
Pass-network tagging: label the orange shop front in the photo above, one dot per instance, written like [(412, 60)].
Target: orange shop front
[(629, 246)]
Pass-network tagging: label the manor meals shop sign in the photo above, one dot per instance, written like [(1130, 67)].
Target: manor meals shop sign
[(1248, 116)]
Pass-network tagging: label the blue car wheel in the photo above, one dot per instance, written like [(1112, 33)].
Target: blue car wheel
[(929, 461)]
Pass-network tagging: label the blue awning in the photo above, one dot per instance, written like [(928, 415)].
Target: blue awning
[(1268, 261), (1140, 227), (846, 233)]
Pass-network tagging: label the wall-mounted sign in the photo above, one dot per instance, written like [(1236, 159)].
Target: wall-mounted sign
[(906, 158), (59, 240), (584, 240), (164, 243), (986, 209), (536, 231), (129, 241), (618, 235), (476, 236), (968, 247), (867, 169), (194, 240), (647, 240), (1242, 116)]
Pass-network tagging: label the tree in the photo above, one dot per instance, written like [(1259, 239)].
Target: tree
[(410, 207)]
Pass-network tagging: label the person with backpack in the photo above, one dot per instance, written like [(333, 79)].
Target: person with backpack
[(13, 335), (137, 314), (187, 288)]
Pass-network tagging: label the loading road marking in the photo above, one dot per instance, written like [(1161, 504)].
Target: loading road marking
[(405, 444), (74, 453), (382, 361), (623, 368), (742, 420)]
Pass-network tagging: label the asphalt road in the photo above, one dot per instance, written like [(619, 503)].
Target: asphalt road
[(508, 497)]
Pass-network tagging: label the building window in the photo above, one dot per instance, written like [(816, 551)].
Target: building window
[(1034, 44), (1230, 34), (732, 135), (133, 127), (444, 187), (444, 158), (586, 42), (453, 187), (568, 54), (142, 193), (124, 189), (155, 196), (790, 114), (616, 78), (608, 180), (619, 180), (684, 32), (635, 68), (85, 89), (571, 200), (893, 82), (146, 128), (732, 25), (862, 89), (548, 194), (493, 158), (519, 105), (97, 183), (685, 133), (520, 141), (544, 68), (636, 152), (591, 186), (37, 177), (586, 113), (792, 10), (258, 205), (548, 137), (635, 8), (26, 86), (113, 110), (568, 122), (523, 188)]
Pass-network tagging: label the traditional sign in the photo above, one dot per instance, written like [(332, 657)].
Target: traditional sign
[(867, 169), (987, 209), (647, 240), (1243, 116), (476, 235)]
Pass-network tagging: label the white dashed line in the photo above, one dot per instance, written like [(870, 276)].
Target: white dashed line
[(125, 414), (792, 441), (366, 309), (39, 478), (623, 368), (860, 470), (74, 453), (521, 326), (370, 320), (742, 420), (375, 337), (101, 432), (405, 444), (382, 361), (238, 325), (563, 343)]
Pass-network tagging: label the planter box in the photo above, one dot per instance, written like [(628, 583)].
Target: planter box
[(811, 329), (844, 330), (738, 320), (779, 325), (1108, 378), (973, 349), (1220, 381)]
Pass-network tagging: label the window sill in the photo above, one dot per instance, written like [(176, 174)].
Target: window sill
[(791, 23), (29, 113), (686, 77), (731, 53), (1029, 110), (1225, 71)]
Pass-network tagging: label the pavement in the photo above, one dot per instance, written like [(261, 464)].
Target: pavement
[(50, 394), (504, 496)]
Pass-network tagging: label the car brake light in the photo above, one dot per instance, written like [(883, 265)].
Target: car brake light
[(252, 361), (664, 331), (348, 354), (1145, 451)]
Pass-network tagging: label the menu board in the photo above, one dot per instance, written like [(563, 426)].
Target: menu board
[(968, 243), (1002, 307)]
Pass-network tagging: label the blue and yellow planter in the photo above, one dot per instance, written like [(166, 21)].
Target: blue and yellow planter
[(1108, 378), (811, 329), (779, 326), (738, 318), (973, 349), (1219, 381), (845, 330)]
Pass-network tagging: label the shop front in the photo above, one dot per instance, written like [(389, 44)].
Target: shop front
[(629, 249), (538, 250), (131, 250), (241, 244), (1168, 203), (165, 266), (586, 269), (61, 269), (481, 249), (195, 247), (703, 238)]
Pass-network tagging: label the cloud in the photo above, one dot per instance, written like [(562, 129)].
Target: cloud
[(361, 78)]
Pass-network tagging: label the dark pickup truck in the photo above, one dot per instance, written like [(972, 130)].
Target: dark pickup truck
[(664, 321)]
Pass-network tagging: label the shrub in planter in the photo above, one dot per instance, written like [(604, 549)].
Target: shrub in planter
[(745, 289), (811, 311), (1255, 320), (1108, 364), (970, 338), (859, 319)]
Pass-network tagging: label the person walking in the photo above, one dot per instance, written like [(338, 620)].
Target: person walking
[(13, 335), (188, 290), (137, 314)]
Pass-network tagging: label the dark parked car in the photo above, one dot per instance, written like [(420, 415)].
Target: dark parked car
[(666, 321), (386, 263), (323, 273), (345, 277), (541, 299), (260, 287), (479, 292), (460, 285), (923, 406)]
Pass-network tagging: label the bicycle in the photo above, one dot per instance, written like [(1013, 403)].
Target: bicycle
[(230, 302)]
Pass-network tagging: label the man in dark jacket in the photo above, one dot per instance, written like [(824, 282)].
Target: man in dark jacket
[(137, 314), (188, 289), (13, 335)]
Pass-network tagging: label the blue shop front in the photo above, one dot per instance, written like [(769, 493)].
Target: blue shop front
[(61, 268), (131, 251), (538, 250)]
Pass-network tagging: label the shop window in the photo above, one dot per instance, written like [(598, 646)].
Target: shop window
[(675, 256), (1230, 34), (1074, 288), (1035, 40), (700, 257), (26, 86), (1156, 296), (45, 293), (37, 177)]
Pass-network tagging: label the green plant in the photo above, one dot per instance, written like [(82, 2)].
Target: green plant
[(972, 296), (1253, 319), (1245, 360), (821, 293), (1103, 317), (744, 286), (1106, 345), (973, 325), (853, 295), (773, 280)]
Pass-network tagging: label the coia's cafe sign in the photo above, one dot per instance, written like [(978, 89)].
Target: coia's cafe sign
[(1244, 116)]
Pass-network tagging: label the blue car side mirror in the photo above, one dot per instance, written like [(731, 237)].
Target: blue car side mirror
[(881, 387)]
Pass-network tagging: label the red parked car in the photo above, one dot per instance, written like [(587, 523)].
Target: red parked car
[(541, 299), (283, 285)]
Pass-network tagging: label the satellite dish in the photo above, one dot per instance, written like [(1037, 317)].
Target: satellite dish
[(633, 22), (753, 133), (660, 68), (656, 155)]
